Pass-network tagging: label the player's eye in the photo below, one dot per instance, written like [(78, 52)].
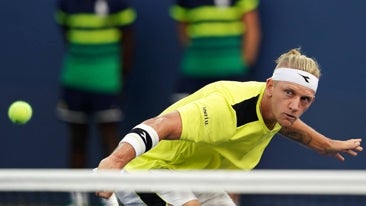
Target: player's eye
[(306, 99), (288, 92)]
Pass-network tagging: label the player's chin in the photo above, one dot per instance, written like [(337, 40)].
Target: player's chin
[(287, 122)]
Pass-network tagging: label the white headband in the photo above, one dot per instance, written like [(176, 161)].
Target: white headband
[(296, 76)]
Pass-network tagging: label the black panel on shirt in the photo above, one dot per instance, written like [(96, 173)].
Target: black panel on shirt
[(246, 111), (151, 199)]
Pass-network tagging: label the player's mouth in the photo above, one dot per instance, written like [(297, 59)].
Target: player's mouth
[(289, 117)]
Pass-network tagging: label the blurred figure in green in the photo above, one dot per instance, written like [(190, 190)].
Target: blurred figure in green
[(221, 39), (98, 39)]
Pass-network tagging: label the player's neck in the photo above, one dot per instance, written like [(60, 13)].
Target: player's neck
[(267, 114)]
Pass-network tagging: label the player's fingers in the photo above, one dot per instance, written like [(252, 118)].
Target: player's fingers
[(359, 149), (355, 151), (339, 157), (352, 143), (103, 194), (351, 152)]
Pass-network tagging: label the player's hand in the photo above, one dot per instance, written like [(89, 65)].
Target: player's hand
[(351, 147), (103, 165), (107, 164), (104, 194)]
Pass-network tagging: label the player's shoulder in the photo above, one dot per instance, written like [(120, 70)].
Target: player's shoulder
[(238, 85), (235, 90)]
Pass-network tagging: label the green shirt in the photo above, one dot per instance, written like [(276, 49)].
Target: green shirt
[(215, 34), (93, 34)]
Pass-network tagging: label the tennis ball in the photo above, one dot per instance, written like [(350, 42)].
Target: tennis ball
[(20, 112)]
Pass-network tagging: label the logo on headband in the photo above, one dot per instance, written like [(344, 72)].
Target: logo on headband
[(306, 78)]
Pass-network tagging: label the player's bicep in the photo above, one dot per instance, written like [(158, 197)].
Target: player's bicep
[(168, 126)]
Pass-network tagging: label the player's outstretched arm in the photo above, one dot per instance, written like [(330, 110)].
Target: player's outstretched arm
[(147, 134), (307, 136)]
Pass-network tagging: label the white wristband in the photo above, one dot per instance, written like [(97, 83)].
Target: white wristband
[(142, 138)]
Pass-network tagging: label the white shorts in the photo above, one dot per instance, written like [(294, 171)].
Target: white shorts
[(176, 198)]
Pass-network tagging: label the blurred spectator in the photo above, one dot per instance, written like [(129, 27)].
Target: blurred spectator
[(98, 38), (221, 39)]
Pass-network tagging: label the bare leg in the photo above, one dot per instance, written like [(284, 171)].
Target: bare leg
[(78, 159), (78, 138), (109, 133)]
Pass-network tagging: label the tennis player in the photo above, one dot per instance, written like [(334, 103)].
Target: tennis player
[(227, 125)]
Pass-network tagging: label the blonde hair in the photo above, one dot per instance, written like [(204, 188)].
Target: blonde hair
[(295, 60)]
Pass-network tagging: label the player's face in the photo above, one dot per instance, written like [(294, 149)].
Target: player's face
[(289, 101)]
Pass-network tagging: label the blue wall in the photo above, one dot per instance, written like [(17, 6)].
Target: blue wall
[(31, 52)]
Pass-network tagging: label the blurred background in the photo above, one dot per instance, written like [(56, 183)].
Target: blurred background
[(31, 51)]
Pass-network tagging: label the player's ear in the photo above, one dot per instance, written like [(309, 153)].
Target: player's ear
[(269, 87)]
